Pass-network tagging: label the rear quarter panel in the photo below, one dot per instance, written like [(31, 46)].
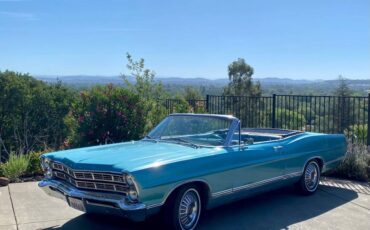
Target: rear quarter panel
[(299, 150)]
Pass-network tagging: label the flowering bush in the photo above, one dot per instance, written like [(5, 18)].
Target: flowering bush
[(356, 164), (105, 114)]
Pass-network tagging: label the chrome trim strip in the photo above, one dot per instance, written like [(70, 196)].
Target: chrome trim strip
[(222, 193), (255, 184), (226, 117), (325, 165), (100, 204), (154, 205), (333, 161)]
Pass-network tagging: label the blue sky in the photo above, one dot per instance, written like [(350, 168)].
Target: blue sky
[(187, 38)]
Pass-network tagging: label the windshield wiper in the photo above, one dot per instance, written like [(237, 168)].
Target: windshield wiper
[(178, 139)]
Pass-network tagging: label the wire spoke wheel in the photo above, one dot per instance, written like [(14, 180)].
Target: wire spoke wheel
[(311, 176), (189, 209)]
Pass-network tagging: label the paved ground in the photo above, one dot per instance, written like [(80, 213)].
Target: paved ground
[(337, 205)]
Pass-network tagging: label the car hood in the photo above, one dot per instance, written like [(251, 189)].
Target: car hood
[(128, 156)]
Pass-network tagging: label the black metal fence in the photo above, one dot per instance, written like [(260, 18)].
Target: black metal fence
[(197, 106), (324, 114)]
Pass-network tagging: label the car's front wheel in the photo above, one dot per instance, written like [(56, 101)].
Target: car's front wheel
[(310, 179), (183, 212)]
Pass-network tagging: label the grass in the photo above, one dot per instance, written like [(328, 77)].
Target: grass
[(15, 167)]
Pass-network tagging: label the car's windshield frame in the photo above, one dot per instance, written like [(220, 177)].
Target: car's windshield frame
[(233, 127)]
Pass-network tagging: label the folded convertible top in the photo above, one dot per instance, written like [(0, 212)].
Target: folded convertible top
[(281, 133)]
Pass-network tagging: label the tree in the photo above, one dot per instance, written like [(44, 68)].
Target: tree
[(342, 118), (144, 84), (151, 92), (240, 77), (241, 84), (343, 89), (192, 93), (31, 113)]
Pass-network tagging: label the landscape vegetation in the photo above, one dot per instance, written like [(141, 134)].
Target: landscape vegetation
[(38, 116)]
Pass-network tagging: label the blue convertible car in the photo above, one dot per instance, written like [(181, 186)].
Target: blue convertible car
[(188, 163)]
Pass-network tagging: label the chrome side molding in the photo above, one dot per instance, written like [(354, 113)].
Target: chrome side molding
[(255, 184)]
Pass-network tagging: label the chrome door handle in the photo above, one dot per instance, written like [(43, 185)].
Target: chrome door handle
[(278, 147)]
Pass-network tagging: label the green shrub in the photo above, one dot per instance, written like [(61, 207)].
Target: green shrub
[(181, 105), (16, 166), (32, 113), (356, 163), (1, 170), (357, 132), (106, 114), (34, 166)]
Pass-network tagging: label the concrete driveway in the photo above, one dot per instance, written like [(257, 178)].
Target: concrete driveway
[(338, 204)]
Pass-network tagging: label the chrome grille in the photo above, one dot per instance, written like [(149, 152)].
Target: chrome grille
[(90, 180)]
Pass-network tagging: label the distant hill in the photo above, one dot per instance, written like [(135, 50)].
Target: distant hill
[(82, 80), (93, 80), (214, 86), (196, 81)]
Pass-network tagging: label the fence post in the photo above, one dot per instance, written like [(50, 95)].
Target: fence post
[(368, 119), (207, 103), (273, 111)]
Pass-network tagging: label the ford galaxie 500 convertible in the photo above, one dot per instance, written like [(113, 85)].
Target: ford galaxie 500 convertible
[(188, 163)]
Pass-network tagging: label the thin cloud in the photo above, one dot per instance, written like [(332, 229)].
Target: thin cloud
[(18, 15)]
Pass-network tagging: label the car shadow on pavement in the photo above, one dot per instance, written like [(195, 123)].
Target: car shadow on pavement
[(273, 210)]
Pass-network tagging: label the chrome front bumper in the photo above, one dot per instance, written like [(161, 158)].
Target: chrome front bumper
[(97, 202)]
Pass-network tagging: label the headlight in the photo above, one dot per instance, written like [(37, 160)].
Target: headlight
[(45, 165), (129, 180), (132, 195)]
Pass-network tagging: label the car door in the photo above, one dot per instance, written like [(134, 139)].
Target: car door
[(257, 164)]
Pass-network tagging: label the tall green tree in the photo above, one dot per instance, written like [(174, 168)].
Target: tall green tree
[(240, 77), (343, 117), (343, 89), (241, 84)]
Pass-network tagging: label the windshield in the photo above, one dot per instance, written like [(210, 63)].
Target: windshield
[(195, 130)]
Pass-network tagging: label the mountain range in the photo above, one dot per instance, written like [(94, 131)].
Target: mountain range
[(280, 85)]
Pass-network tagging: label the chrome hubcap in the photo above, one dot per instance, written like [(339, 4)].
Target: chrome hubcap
[(189, 209), (311, 176)]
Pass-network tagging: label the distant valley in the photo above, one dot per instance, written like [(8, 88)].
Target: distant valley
[(215, 86)]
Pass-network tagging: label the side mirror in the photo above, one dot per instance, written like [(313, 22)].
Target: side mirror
[(249, 141)]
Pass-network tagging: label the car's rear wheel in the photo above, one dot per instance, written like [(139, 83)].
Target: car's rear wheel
[(310, 179), (184, 210)]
